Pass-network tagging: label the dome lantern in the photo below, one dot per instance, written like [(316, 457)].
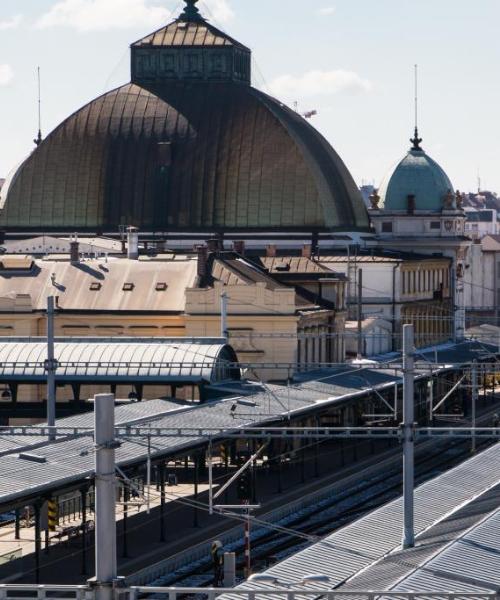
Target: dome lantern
[(189, 49)]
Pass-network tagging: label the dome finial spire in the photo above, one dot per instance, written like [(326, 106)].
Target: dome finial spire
[(191, 12), (416, 141)]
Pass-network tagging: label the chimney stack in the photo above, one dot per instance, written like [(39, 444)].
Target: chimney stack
[(132, 243), (307, 250), (271, 250), (74, 250), (202, 261), (239, 247), (214, 245)]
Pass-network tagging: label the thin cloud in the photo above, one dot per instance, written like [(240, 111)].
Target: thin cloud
[(102, 15), (6, 74), (319, 83), (325, 11), (219, 10), (12, 23)]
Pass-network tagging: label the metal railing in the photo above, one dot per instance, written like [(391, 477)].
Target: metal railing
[(83, 592), (285, 593)]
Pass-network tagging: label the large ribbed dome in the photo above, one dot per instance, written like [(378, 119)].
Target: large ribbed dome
[(188, 146)]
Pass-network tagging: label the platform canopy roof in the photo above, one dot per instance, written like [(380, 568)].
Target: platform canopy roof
[(120, 360)]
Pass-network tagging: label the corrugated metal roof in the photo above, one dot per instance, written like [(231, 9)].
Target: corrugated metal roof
[(347, 551), (182, 33), (469, 564), (99, 284), (380, 533), (96, 361)]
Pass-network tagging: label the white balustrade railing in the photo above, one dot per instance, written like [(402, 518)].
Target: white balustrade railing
[(83, 592)]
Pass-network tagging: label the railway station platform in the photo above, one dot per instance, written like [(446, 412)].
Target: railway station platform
[(457, 547)]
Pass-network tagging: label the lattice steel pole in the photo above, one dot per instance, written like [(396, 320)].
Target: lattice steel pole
[(408, 436)]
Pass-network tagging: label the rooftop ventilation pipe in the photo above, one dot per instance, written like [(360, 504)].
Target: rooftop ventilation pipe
[(74, 250), (271, 250), (132, 243), (202, 261), (239, 247), (307, 250)]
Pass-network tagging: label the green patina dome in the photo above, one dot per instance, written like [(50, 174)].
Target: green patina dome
[(416, 175)]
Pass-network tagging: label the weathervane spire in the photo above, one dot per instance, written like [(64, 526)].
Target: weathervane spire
[(416, 141), (38, 139), (191, 12)]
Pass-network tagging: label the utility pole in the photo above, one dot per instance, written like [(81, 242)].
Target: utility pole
[(224, 298), (50, 367), (105, 519), (474, 402), (408, 437), (360, 313)]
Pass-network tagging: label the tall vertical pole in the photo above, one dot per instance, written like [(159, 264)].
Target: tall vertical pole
[(196, 480), (430, 387), (210, 479), (408, 429), (50, 367), (105, 520), (162, 502), (83, 496), (474, 402), (38, 541), (148, 478), (360, 313), (224, 298), (248, 560)]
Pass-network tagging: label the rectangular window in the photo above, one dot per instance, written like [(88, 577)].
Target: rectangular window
[(435, 224), (386, 227)]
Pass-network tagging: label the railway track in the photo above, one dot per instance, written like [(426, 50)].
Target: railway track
[(330, 514)]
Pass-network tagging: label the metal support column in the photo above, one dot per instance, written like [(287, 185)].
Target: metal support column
[(126, 498), (38, 541), (17, 534), (196, 481), (223, 315), (360, 313), (83, 496), (316, 452), (408, 439), (474, 396), (162, 502), (105, 480), (51, 366)]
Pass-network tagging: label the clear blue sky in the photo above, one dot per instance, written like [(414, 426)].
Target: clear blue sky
[(352, 60)]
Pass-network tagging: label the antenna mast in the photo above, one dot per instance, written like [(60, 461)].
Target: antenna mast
[(416, 97), (416, 140), (38, 139)]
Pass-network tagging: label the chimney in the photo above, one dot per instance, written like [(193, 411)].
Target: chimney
[(307, 250), (214, 245), (239, 247), (132, 243), (74, 250), (202, 261), (271, 250)]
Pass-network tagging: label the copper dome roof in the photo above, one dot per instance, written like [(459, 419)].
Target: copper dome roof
[(173, 153)]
